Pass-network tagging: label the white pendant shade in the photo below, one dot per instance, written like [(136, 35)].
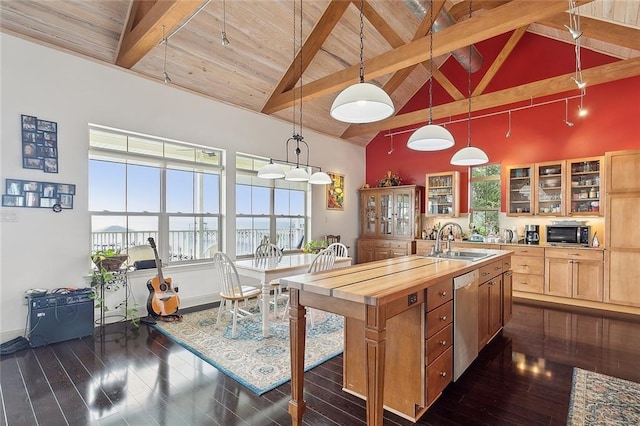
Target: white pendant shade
[(362, 103), (271, 171), (297, 175), (319, 178), (469, 156), (430, 138)]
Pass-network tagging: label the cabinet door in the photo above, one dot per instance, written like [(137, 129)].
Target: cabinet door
[(507, 297), (519, 190), (443, 195), (495, 306), (385, 215), (588, 280), (558, 277), (403, 212), (369, 215), (584, 184), (550, 184), (483, 315)]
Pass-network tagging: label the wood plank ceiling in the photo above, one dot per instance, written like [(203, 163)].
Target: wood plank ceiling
[(259, 69)]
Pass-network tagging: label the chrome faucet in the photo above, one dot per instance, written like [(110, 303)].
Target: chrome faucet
[(438, 249)]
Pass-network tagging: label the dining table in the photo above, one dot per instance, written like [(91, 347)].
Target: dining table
[(263, 272)]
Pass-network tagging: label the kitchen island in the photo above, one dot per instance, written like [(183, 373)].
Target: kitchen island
[(371, 297)]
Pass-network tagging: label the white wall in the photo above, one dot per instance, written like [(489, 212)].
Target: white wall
[(42, 249)]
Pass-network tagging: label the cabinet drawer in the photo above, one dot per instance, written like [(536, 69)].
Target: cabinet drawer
[(506, 264), (424, 246), (439, 293), (490, 271), (574, 254), (439, 318), (527, 265), (366, 244), (402, 245), (381, 243), (529, 283), (527, 251), (439, 343), (439, 374)]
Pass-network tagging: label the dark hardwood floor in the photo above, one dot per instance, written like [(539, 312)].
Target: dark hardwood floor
[(134, 376)]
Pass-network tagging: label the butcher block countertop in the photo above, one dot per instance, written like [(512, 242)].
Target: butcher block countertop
[(370, 292)]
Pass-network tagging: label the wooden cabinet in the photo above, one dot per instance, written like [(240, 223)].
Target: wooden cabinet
[(527, 264), (390, 221), (490, 294), (549, 190), (585, 188), (622, 230), (418, 359), (574, 273), (519, 188), (442, 194), (507, 294)]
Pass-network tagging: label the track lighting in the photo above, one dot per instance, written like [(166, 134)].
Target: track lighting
[(164, 68), (581, 84), (582, 112), (508, 135), (566, 113), (575, 34)]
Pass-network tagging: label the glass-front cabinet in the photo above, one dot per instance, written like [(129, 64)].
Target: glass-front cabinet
[(550, 184), (443, 194), (391, 212), (520, 193), (584, 184)]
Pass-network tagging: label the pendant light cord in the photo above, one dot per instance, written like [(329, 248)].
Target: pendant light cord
[(293, 114), (300, 108), (469, 90), (431, 65), (361, 41)]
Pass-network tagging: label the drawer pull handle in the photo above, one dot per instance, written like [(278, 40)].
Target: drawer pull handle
[(443, 318), (443, 293), (443, 373), (443, 343), (491, 283), (498, 268), (485, 273)]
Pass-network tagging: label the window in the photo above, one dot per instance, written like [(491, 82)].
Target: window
[(485, 198), (273, 209), (144, 186)]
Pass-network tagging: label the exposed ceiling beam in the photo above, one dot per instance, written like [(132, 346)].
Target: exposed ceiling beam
[(500, 60), (312, 45), (508, 17), (143, 29), (550, 86), (599, 30)]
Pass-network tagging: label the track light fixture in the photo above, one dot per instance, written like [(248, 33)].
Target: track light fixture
[(508, 135), (576, 32), (430, 137), (582, 112), (164, 68), (225, 40), (566, 113)]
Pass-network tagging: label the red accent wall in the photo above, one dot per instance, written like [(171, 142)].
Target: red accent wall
[(537, 133)]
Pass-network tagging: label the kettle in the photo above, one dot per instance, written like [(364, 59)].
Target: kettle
[(507, 235)]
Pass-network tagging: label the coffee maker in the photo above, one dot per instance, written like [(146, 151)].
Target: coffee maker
[(532, 234)]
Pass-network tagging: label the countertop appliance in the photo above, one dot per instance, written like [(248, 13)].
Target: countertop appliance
[(465, 320), (532, 234), (569, 234)]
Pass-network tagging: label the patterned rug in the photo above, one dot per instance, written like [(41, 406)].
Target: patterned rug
[(258, 363), (597, 399)]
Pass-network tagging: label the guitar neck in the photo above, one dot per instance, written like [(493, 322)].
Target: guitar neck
[(158, 265)]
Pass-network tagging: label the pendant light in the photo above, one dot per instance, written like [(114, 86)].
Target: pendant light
[(362, 102), (297, 174), (469, 155), (430, 137)]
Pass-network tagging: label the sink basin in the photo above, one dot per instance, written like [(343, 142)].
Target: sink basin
[(462, 255)]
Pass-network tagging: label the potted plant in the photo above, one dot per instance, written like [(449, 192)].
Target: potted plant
[(105, 277), (314, 246)]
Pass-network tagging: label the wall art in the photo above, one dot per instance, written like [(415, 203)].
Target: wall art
[(28, 193), (39, 144), (335, 192)]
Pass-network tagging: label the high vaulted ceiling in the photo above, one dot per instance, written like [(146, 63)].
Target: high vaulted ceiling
[(259, 69)]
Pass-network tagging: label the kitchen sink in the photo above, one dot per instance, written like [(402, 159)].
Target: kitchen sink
[(462, 255)]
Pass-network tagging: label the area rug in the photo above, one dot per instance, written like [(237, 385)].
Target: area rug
[(258, 363), (597, 399)]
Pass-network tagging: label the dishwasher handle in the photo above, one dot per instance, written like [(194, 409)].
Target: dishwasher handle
[(464, 280)]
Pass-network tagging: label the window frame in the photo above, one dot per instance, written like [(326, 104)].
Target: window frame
[(483, 229)]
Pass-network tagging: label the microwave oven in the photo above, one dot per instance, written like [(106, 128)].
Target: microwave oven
[(568, 234)]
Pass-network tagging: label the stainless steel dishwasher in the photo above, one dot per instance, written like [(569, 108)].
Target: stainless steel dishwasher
[(465, 321)]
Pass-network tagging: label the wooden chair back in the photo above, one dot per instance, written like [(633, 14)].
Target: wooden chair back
[(323, 261), (339, 249)]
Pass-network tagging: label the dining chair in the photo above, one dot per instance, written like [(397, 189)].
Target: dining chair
[(322, 262), (271, 254), (339, 249), (233, 292), (330, 239)]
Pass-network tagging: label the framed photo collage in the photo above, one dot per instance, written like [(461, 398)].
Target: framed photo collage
[(24, 193), (39, 144)]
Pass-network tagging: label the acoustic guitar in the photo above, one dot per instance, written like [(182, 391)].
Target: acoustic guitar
[(163, 301)]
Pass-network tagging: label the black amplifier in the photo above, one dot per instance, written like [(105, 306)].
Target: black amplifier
[(60, 315)]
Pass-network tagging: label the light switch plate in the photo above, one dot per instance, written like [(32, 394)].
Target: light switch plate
[(9, 216)]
